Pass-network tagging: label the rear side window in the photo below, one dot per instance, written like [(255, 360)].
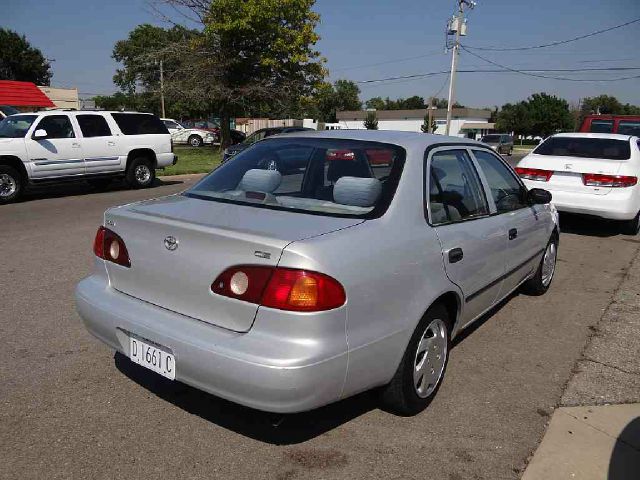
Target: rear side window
[(139, 124), (629, 127), (602, 148), (57, 126), (601, 126), (93, 126), (455, 191)]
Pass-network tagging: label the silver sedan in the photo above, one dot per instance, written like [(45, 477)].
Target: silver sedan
[(313, 266)]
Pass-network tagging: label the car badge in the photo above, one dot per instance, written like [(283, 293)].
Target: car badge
[(568, 166), (171, 243)]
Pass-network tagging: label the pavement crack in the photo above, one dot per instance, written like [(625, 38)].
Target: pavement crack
[(610, 366), (616, 438)]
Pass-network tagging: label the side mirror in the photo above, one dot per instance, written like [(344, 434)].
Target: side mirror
[(40, 134), (539, 196)]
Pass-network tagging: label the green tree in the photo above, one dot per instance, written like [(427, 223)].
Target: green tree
[(376, 103), (141, 52), (425, 127), (548, 114), (20, 61), (514, 118), (249, 52), (605, 105), (371, 121), (329, 99)]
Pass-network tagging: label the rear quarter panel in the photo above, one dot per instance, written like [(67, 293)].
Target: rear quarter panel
[(392, 270)]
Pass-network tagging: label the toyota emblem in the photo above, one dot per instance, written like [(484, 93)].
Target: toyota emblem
[(171, 243)]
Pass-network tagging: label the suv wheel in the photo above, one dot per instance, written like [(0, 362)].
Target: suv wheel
[(140, 173), (422, 367), (195, 141), (632, 227), (541, 281), (11, 184)]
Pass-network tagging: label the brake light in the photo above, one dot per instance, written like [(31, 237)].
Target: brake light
[(110, 247), (599, 180), (534, 174), (281, 288)]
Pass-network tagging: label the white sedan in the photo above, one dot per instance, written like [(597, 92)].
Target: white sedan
[(589, 173), (195, 137)]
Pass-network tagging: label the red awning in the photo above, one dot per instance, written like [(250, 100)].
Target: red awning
[(22, 94)]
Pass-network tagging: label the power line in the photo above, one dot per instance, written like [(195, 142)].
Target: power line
[(399, 60), (553, 44), (530, 73), (504, 69)]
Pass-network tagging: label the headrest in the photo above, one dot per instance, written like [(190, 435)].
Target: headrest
[(257, 180), (359, 192)]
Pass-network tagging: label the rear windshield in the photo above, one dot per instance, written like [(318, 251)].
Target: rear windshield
[(604, 148), (601, 126), (320, 176), (139, 124), (491, 139)]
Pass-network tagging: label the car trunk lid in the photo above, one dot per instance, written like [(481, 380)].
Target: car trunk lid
[(567, 171), (211, 236)]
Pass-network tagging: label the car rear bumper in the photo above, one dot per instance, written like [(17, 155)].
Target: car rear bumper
[(219, 361), (165, 159), (618, 204)]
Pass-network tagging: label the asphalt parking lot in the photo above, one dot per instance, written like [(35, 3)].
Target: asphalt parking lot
[(70, 409)]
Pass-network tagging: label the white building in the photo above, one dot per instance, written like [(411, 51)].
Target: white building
[(465, 122)]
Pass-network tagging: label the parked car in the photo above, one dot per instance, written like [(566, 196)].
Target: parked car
[(589, 173), (236, 135), (57, 145), (6, 110), (256, 136), (266, 289), (195, 137), (622, 124), (500, 142)]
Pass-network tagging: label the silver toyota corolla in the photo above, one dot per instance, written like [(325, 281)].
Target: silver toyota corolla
[(315, 266)]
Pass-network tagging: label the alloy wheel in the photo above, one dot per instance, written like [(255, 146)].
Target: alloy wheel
[(8, 185), (143, 174), (549, 264)]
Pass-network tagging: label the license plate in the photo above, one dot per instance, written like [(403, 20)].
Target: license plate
[(153, 357)]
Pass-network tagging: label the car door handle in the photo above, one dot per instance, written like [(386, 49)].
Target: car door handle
[(455, 255), (513, 233), (75, 145), (111, 144)]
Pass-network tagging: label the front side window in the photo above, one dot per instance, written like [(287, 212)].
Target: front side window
[(254, 137), (601, 126), (16, 126), (57, 126), (585, 147), (93, 126), (455, 191), (321, 176), (507, 191), (171, 124)]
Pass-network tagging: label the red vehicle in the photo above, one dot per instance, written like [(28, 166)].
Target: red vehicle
[(623, 124)]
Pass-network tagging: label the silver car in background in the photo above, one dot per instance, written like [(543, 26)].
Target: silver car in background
[(312, 267)]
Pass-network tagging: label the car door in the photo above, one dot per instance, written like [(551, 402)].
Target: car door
[(59, 154), (525, 225), (472, 240), (99, 146)]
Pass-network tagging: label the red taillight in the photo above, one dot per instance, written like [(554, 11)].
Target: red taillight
[(599, 180), (534, 174), (281, 288), (109, 246)]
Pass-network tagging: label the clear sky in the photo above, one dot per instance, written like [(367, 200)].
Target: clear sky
[(79, 35)]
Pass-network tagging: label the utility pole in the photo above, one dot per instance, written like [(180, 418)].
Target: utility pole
[(457, 27), (162, 90)]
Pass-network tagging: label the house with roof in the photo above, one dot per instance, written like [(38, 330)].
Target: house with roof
[(27, 96), (465, 122)]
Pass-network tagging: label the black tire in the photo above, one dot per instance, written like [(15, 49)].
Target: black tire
[(632, 227), (11, 184), (135, 177), (195, 141), (99, 183), (536, 285), (510, 152), (400, 396)]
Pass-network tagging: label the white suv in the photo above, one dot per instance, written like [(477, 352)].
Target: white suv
[(58, 145)]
